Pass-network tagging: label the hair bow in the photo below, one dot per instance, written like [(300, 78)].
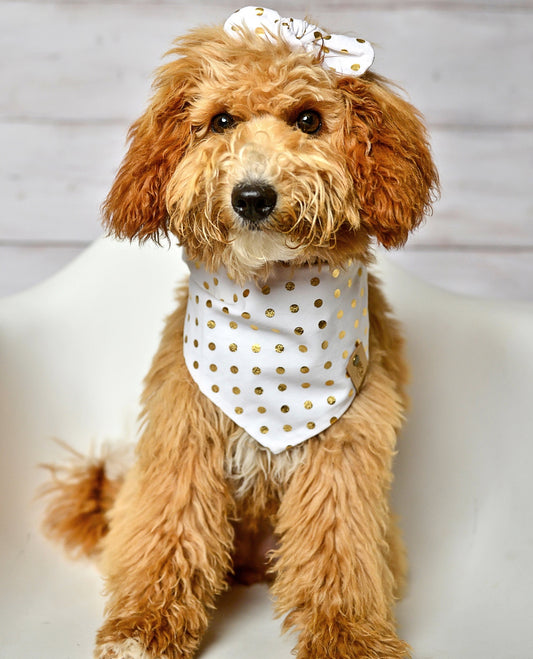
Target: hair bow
[(346, 55)]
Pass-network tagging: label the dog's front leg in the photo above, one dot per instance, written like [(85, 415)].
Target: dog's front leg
[(168, 550), (333, 577)]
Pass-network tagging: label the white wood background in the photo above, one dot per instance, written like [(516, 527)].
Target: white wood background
[(75, 73)]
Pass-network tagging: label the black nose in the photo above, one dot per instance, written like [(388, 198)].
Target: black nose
[(253, 201)]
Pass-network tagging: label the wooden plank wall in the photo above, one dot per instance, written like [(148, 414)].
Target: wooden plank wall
[(75, 73)]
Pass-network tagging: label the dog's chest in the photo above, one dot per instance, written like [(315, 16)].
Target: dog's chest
[(274, 357)]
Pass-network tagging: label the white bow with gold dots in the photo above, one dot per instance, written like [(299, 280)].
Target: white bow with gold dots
[(346, 55), (275, 358)]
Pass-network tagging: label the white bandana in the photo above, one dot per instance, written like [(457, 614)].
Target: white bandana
[(346, 55), (274, 359)]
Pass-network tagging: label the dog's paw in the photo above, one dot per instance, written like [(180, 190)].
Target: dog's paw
[(128, 649), (360, 641)]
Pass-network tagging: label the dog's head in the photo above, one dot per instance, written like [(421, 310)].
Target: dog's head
[(252, 152)]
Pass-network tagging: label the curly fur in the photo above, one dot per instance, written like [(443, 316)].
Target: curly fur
[(202, 495)]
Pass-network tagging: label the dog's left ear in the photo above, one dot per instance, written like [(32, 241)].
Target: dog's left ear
[(389, 158), (135, 206)]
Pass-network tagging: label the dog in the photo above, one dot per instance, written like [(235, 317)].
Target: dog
[(277, 159)]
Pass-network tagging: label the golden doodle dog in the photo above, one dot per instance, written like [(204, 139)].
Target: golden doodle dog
[(272, 407)]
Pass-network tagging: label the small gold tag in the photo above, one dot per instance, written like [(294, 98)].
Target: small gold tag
[(357, 366)]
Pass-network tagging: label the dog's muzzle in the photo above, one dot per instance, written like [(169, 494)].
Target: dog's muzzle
[(253, 202)]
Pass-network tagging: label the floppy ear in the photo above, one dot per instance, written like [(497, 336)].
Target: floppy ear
[(389, 159), (135, 206)]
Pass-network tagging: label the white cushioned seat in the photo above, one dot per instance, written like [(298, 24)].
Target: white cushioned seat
[(73, 353)]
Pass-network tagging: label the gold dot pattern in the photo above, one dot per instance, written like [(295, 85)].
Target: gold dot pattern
[(294, 386)]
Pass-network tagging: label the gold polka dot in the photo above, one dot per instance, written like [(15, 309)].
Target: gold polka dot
[(322, 324), (342, 334), (308, 404), (196, 322), (212, 367), (234, 369), (246, 292), (280, 370), (329, 383), (195, 343), (215, 388), (360, 40), (302, 348), (315, 281), (256, 370), (317, 35), (261, 410), (287, 428), (365, 311), (233, 325), (318, 303), (279, 347), (289, 285), (305, 385), (211, 324), (265, 290), (254, 327), (324, 345), (333, 420), (270, 313), (186, 339), (351, 393), (340, 313), (299, 330), (258, 391), (335, 273), (311, 425), (264, 430), (212, 346), (337, 292), (236, 391), (233, 347), (195, 364), (238, 410), (282, 387), (356, 324), (206, 285), (294, 308), (360, 272), (343, 50), (245, 315), (256, 347), (196, 299), (304, 369), (284, 409), (327, 365), (260, 31), (208, 304), (331, 400), (354, 67), (345, 354), (350, 282), (225, 309)]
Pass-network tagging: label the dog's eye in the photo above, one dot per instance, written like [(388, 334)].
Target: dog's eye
[(309, 121), (222, 122)]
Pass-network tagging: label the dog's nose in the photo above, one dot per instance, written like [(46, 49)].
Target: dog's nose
[(253, 201)]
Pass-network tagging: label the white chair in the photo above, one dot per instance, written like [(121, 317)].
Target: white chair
[(73, 352)]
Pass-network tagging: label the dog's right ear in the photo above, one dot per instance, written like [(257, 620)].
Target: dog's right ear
[(135, 206)]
